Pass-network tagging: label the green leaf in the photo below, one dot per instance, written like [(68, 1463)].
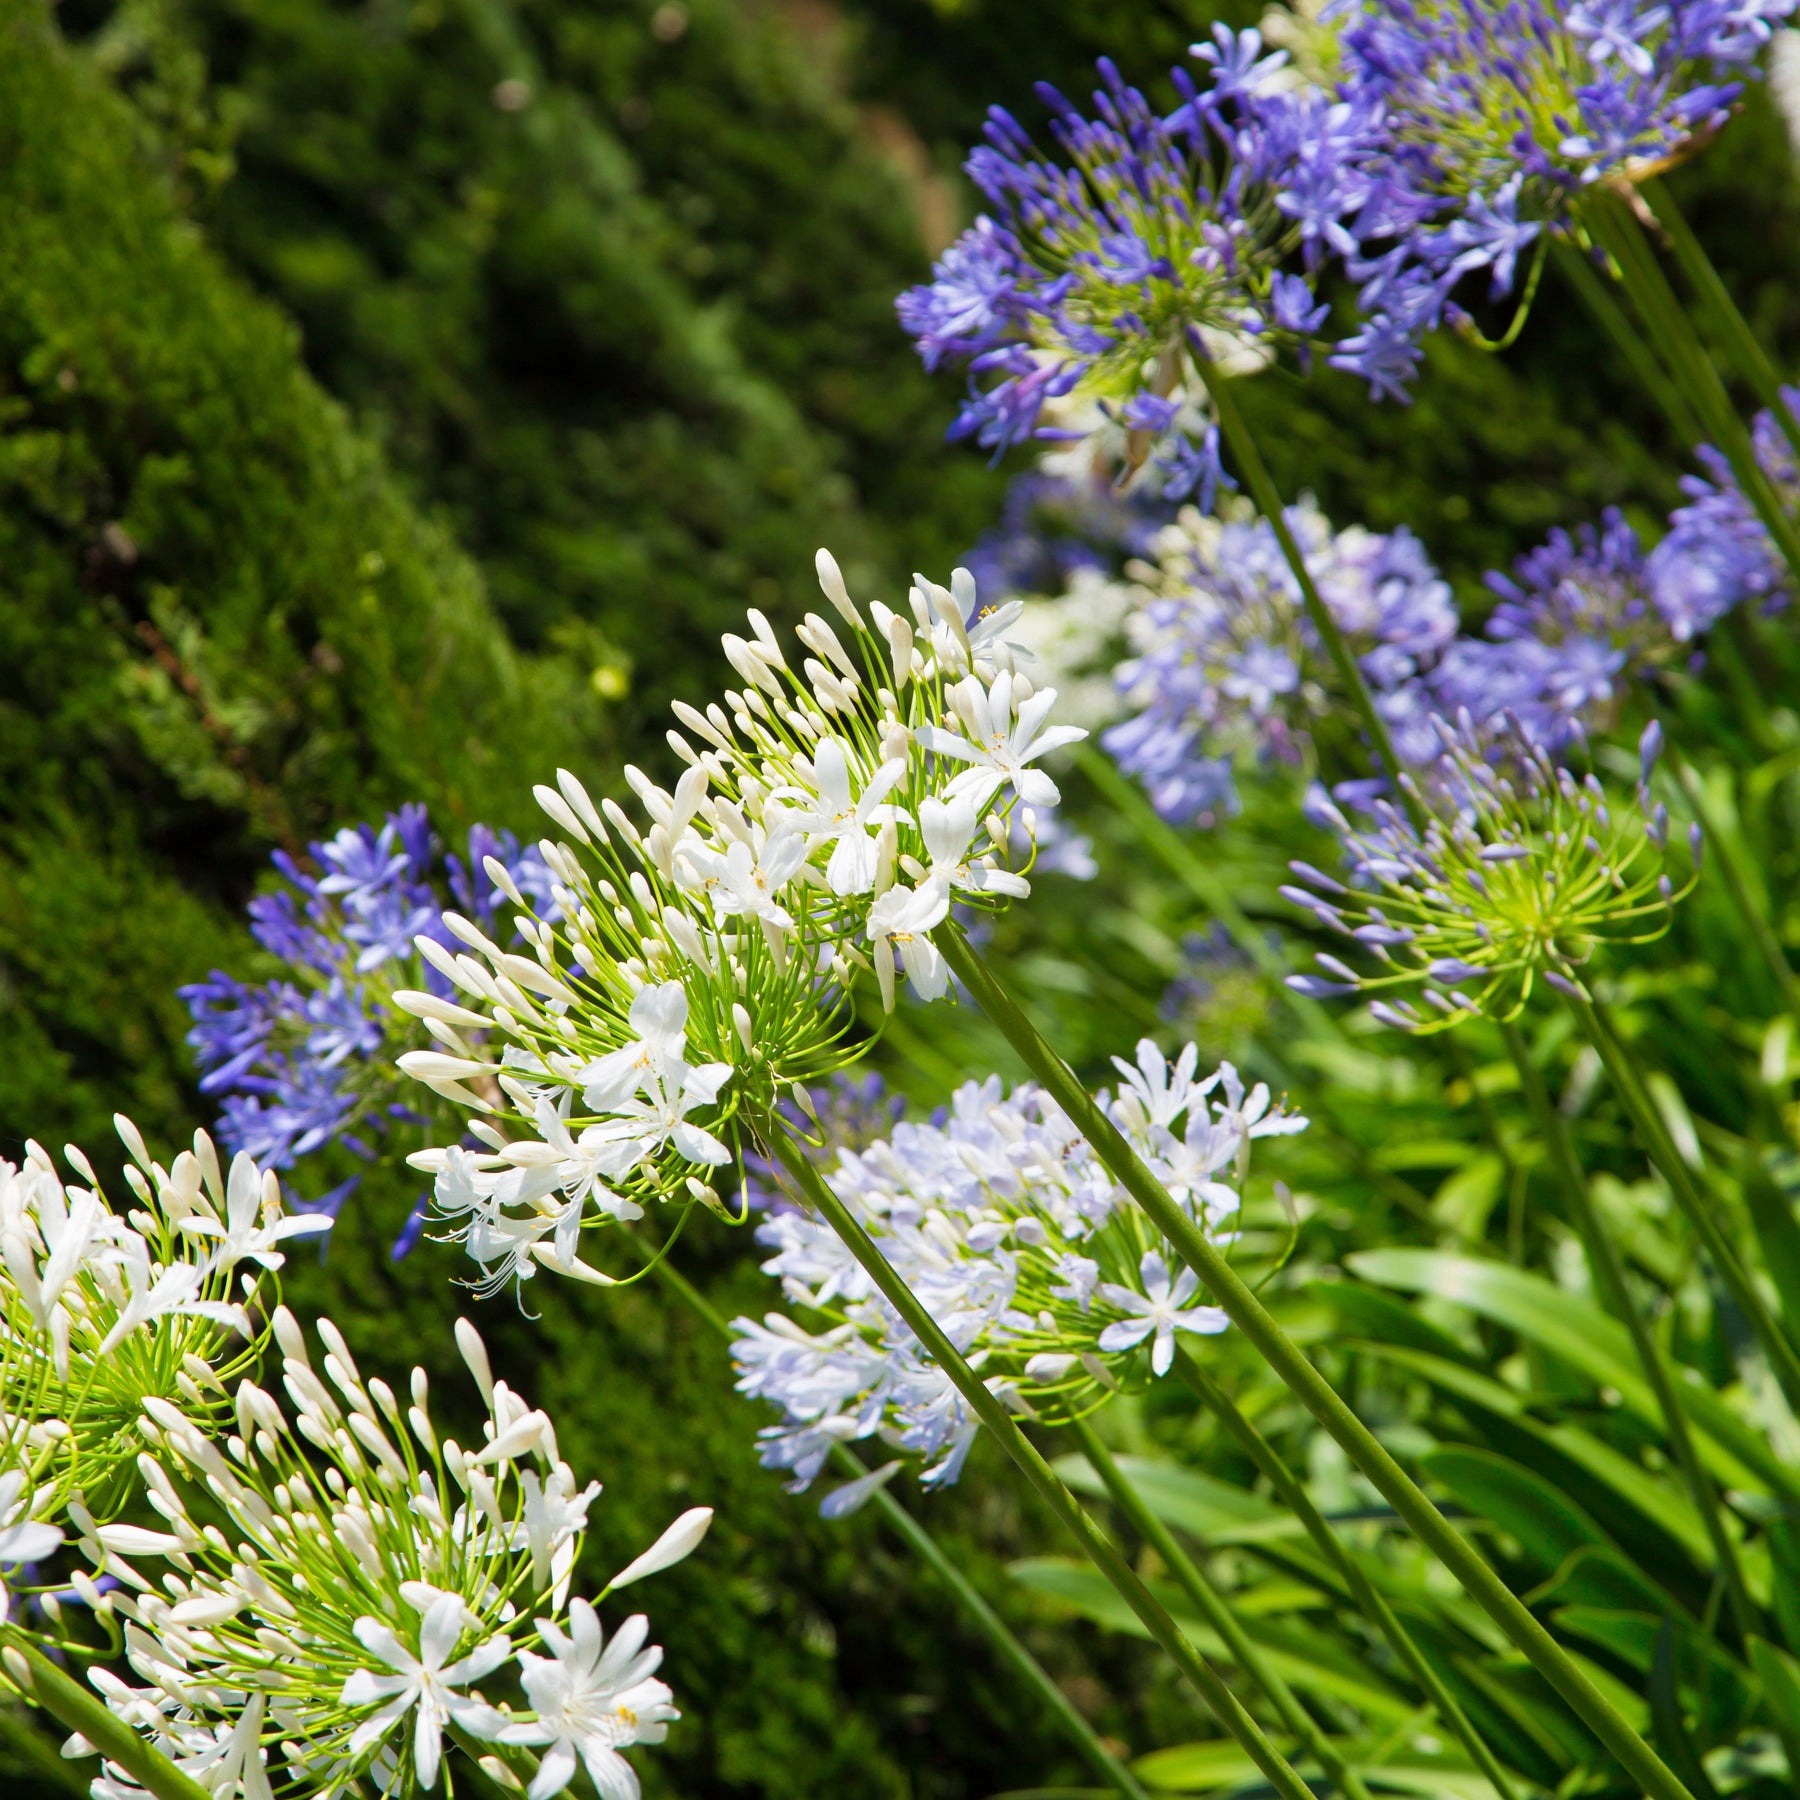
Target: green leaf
[(1370, 1312), (1213, 1511), (1768, 1195), (1209, 1767), (1784, 1552), (1084, 1590), (1587, 1339), (1597, 1575), (1654, 1498), (1630, 1636), (1779, 1675), (1546, 1522), (1667, 1722)]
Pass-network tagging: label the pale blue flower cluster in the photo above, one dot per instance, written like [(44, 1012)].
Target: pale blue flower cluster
[(306, 1059), (1027, 1253)]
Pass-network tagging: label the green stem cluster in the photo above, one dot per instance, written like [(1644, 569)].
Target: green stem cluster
[(920, 1541), (1357, 1585), (1215, 1609), (1068, 1511), (1290, 1364), (1616, 1296)]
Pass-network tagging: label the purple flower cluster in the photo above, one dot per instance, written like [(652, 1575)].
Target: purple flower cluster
[(1718, 552), (1152, 241), (1228, 664), (305, 1059), (1494, 119)]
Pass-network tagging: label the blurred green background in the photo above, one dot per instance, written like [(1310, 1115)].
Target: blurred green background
[(396, 400)]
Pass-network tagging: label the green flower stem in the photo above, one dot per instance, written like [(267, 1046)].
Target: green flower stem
[(1746, 350), (1205, 883), (1369, 1601), (1206, 886), (1070, 1513), (1699, 1208), (1216, 1611), (1616, 1296), (79, 1709), (920, 1541), (1291, 1365), (1755, 920), (1268, 502), (1616, 228), (1585, 279)]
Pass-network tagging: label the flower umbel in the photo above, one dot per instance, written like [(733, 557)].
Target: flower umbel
[(1042, 1271), (1521, 872)]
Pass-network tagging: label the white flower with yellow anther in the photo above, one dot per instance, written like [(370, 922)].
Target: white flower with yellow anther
[(698, 959), (349, 1589), (100, 1310)]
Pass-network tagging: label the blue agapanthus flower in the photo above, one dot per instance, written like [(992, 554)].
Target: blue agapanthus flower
[(1496, 118), (306, 1059), (1718, 553), (1102, 270), (1227, 664), (1581, 618)]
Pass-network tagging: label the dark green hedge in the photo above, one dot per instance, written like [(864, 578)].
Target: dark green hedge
[(227, 626)]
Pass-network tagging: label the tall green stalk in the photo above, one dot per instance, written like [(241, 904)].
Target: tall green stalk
[(1268, 502), (78, 1709), (1737, 887), (1615, 1294), (1698, 1207), (1743, 345), (1291, 1365), (1615, 228), (987, 1407), (1361, 1590), (1589, 286), (1216, 1610), (923, 1545)]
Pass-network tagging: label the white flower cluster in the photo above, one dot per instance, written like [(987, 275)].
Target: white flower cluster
[(1041, 1270), (99, 1311), (341, 1577), (702, 964)]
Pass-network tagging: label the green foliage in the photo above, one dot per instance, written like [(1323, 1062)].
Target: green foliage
[(612, 285), (225, 626)]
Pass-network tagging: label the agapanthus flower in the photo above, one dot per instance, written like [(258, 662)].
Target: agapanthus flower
[(347, 1587), (102, 1308), (1038, 1266), (1520, 873), (1718, 554), (1101, 271), (1582, 618), (1496, 119), (692, 970), (306, 1060), (1227, 665)]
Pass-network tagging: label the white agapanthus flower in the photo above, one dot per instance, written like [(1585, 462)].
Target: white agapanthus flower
[(1038, 1266), (592, 1699), (349, 1591), (698, 961), (100, 1309)]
